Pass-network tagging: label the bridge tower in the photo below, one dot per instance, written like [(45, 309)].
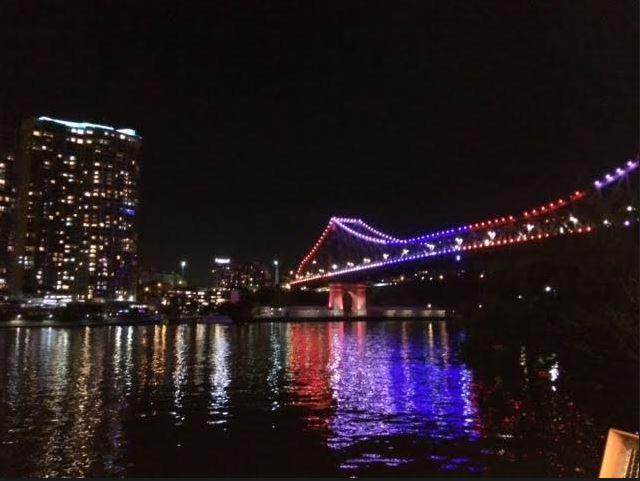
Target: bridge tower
[(358, 293)]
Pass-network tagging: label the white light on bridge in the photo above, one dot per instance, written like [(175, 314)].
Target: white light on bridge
[(548, 288), (554, 372), (629, 208), (334, 266)]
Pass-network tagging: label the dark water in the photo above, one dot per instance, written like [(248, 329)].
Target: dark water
[(339, 398)]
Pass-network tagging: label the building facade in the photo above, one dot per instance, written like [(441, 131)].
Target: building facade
[(250, 276), (7, 205), (76, 209)]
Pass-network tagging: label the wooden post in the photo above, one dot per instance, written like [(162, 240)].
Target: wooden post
[(620, 458)]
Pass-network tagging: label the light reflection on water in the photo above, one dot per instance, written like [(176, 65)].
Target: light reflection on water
[(220, 377), (338, 398), (380, 387)]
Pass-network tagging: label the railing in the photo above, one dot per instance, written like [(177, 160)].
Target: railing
[(382, 312), (620, 458)]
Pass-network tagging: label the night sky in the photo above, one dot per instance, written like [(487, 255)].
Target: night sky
[(260, 120)]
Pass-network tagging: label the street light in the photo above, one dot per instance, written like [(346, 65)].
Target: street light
[(276, 276), (183, 265)]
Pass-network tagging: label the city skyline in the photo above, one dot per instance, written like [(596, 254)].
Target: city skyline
[(228, 159), (345, 239)]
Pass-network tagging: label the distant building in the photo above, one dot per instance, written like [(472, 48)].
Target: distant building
[(76, 209), (250, 276), (7, 204), (179, 300), (169, 279)]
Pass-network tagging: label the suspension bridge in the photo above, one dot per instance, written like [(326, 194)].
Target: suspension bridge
[(350, 251)]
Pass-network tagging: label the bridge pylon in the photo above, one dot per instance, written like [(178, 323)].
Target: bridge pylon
[(358, 293)]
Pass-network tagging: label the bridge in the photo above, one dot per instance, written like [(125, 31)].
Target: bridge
[(349, 251)]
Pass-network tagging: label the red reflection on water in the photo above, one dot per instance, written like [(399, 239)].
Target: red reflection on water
[(308, 358)]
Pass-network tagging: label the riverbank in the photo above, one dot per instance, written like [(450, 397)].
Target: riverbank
[(84, 323), (18, 323), (221, 319)]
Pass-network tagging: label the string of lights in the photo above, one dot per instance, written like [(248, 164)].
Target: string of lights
[(441, 252), (381, 238)]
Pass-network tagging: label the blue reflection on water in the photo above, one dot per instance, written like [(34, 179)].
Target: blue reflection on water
[(387, 385)]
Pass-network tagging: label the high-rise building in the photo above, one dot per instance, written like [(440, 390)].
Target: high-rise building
[(7, 204), (76, 208)]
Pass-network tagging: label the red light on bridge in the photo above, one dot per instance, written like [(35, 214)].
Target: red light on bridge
[(577, 195)]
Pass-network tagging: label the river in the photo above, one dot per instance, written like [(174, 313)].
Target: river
[(334, 398)]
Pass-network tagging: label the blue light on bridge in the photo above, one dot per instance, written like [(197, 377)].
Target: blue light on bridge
[(494, 233), (128, 211)]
